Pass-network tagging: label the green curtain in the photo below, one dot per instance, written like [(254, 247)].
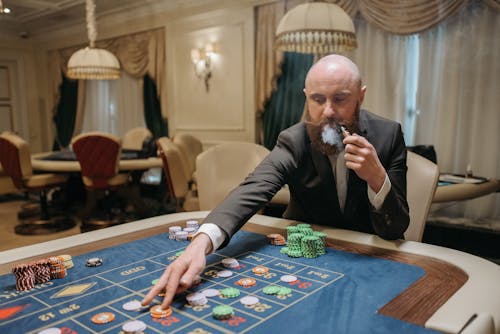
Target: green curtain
[(152, 110), (65, 116), (286, 104)]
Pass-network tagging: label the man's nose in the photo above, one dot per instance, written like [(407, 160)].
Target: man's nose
[(328, 112)]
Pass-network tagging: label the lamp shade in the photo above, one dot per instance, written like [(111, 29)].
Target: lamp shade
[(93, 63), (316, 27)]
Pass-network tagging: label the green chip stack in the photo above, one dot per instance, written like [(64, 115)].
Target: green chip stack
[(294, 245), (230, 292), (308, 244), (320, 244), (291, 230), (222, 312)]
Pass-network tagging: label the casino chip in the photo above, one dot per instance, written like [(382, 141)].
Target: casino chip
[(210, 292), (260, 270), (230, 263), (103, 318), (230, 292), (271, 289), (158, 312), (196, 298), (288, 278), (94, 262), (132, 305), (222, 312), (135, 326), (249, 300), (52, 330), (246, 282), (224, 273)]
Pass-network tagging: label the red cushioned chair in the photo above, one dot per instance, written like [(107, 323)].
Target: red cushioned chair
[(99, 155), (15, 158)]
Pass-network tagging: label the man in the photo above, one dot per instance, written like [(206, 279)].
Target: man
[(353, 179)]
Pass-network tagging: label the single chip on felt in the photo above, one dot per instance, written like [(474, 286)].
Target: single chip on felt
[(94, 262), (222, 312), (135, 326), (132, 305), (284, 291), (259, 270), (224, 273), (271, 289), (288, 278), (210, 292), (249, 300), (230, 292), (52, 330), (246, 282), (103, 318), (196, 298)]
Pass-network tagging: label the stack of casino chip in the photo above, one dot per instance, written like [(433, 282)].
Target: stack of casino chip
[(277, 290), (172, 230), (67, 260), (190, 232), (57, 267), (222, 312), (158, 312), (25, 276), (321, 243), (196, 298), (94, 262), (246, 282), (291, 230), (230, 263), (276, 239), (41, 269), (294, 248), (308, 245), (181, 235), (192, 224)]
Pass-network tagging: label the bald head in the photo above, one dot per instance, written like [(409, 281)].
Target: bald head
[(334, 67)]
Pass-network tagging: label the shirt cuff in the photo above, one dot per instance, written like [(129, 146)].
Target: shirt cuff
[(214, 232), (377, 199)]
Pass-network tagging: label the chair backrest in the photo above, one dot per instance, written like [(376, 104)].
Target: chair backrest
[(190, 148), (176, 179), (223, 167), (15, 157), (421, 178), (99, 155), (135, 137)]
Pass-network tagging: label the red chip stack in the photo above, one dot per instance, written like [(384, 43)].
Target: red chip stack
[(25, 276), (42, 271)]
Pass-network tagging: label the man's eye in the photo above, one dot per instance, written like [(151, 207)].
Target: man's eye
[(318, 99)]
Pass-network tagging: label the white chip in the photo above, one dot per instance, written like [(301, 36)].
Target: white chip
[(225, 273), (196, 298), (135, 326), (249, 300), (210, 292), (52, 330), (230, 263), (132, 305), (288, 278)]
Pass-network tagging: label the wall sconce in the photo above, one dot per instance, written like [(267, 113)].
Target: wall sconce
[(203, 62)]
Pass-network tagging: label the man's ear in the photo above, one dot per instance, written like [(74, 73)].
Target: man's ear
[(362, 94)]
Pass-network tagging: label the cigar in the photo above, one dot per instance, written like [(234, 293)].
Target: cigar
[(345, 133)]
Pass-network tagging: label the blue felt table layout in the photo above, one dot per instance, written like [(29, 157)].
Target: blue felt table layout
[(339, 292)]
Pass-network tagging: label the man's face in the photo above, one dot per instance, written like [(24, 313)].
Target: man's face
[(333, 99)]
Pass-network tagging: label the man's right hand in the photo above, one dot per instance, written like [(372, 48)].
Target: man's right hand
[(181, 273)]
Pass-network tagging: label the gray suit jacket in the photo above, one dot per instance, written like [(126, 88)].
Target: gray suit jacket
[(313, 194)]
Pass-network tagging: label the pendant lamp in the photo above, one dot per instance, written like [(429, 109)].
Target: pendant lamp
[(91, 63)]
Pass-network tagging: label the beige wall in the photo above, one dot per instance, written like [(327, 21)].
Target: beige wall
[(224, 113)]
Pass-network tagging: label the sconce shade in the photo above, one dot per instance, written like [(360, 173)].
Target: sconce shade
[(93, 64), (316, 27)]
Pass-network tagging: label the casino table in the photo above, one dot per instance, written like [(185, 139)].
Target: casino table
[(41, 162), (363, 284)]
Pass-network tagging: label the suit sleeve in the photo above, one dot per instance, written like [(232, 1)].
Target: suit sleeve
[(255, 191), (392, 219)]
